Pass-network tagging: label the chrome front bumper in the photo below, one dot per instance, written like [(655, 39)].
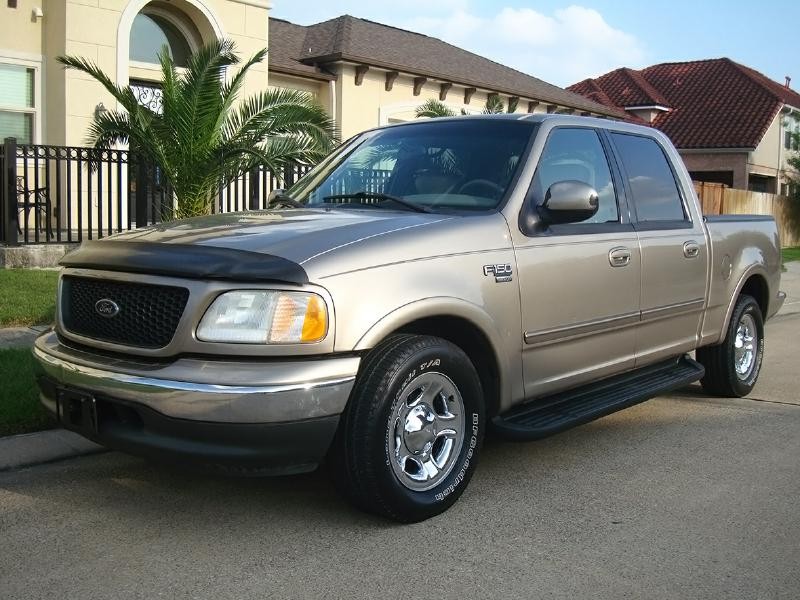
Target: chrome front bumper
[(258, 417), (219, 391)]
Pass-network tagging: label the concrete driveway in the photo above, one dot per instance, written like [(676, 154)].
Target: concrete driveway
[(681, 497)]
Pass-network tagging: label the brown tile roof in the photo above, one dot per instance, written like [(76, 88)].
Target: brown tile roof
[(286, 43), (715, 103), (359, 40)]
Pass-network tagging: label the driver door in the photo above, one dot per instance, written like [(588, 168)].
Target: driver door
[(579, 282)]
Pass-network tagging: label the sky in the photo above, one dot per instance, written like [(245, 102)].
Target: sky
[(563, 42)]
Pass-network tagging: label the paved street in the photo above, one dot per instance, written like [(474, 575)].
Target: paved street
[(681, 497)]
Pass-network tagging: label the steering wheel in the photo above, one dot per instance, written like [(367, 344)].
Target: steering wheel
[(495, 189)]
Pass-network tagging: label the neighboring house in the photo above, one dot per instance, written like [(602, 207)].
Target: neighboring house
[(40, 102), (730, 123), (370, 74)]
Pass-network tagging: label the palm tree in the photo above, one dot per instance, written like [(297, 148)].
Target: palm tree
[(494, 105), (433, 108), (202, 136)]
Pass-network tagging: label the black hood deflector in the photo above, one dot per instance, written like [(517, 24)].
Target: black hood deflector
[(190, 261)]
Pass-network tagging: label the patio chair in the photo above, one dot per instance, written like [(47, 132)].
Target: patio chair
[(32, 199)]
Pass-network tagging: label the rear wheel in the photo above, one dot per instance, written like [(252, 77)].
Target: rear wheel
[(409, 439), (732, 367)]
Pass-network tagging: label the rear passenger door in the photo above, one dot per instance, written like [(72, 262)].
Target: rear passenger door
[(673, 249), (579, 282)]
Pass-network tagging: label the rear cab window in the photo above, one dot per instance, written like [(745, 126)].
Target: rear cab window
[(656, 199)]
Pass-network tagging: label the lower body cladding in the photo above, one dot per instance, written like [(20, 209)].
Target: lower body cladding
[(247, 417)]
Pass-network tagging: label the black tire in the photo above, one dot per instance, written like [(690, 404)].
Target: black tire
[(362, 457), (722, 378)]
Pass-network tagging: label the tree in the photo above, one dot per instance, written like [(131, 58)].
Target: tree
[(794, 162), (202, 135), (494, 105), (433, 109), (793, 206)]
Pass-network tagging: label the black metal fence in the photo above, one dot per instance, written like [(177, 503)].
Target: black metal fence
[(64, 194)]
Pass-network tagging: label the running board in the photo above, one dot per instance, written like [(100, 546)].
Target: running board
[(553, 414)]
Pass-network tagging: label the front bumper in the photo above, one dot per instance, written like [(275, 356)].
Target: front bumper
[(249, 416)]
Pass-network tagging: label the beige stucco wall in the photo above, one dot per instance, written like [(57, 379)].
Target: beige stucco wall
[(368, 105), (766, 159), (321, 90), (99, 30), (20, 31)]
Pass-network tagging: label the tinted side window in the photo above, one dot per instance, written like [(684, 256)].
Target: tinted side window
[(651, 181), (577, 154)]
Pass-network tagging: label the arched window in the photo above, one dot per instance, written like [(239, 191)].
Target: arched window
[(151, 32)]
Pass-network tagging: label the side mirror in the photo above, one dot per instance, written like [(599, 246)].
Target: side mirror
[(274, 194), (568, 202)]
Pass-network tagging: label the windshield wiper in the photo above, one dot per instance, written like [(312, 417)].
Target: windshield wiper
[(378, 196), (284, 200)]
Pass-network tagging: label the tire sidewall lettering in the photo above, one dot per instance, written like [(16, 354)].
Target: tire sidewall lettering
[(468, 454)]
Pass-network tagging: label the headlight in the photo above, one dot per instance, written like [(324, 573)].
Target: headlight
[(265, 317)]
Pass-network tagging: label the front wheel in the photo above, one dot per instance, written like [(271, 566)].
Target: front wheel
[(409, 439), (732, 367)]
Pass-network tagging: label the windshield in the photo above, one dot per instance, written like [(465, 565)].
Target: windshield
[(462, 164)]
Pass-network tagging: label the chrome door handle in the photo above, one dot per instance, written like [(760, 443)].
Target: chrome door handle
[(619, 257), (691, 249)]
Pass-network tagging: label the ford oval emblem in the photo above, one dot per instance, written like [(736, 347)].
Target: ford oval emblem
[(106, 308)]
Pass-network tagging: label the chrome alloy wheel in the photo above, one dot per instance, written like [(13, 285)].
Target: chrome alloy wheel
[(426, 431), (745, 346)]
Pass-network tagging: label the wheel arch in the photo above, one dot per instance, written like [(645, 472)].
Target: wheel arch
[(753, 283), (461, 323)]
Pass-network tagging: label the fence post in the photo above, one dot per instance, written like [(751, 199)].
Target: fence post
[(141, 192), (288, 175), (253, 189), (8, 197)]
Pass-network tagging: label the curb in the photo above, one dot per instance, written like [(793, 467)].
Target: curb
[(30, 449)]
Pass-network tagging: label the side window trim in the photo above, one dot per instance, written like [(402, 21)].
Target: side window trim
[(625, 207), (687, 223), (623, 211)]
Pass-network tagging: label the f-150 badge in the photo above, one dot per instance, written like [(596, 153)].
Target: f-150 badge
[(502, 273)]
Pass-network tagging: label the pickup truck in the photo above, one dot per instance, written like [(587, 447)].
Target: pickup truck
[(425, 283)]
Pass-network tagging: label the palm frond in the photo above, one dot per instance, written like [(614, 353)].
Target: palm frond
[(230, 91), (433, 109), (123, 95), (281, 112), (494, 105)]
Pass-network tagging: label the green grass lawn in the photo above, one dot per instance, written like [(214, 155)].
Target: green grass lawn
[(790, 254), (27, 297), (20, 411)]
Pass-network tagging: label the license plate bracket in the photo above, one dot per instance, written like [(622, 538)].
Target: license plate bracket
[(77, 411)]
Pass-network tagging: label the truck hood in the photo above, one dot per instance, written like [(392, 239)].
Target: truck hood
[(248, 246), (297, 235)]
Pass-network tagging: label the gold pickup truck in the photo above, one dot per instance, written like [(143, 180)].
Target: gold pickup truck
[(426, 282)]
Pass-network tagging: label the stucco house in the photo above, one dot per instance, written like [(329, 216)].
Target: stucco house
[(365, 73), (730, 123), (371, 74), (41, 102)]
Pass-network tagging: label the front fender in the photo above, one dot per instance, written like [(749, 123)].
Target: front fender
[(443, 306), (508, 363)]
